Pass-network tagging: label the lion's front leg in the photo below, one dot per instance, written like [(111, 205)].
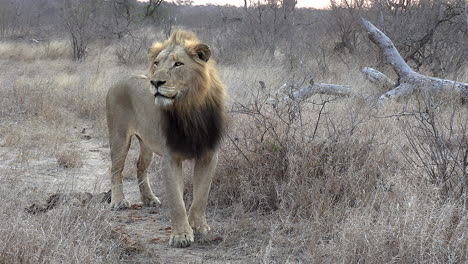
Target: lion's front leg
[(202, 177), (182, 233)]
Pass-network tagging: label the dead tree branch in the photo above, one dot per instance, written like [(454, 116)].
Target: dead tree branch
[(409, 81), (322, 88), (309, 90), (378, 78)]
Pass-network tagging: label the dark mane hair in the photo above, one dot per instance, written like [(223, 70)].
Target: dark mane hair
[(194, 124), (194, 135)]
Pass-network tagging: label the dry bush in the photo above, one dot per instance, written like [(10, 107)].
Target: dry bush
[(69, 158), (281, 149), (132, 50), (437, 135)]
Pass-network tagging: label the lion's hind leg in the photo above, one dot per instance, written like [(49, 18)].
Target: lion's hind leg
[(119, 146), (146, 156)]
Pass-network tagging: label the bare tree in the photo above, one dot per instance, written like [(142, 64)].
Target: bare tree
[(288, 7), (151, 7), (344, 14), (18, 17), (269, 21), (9, 18), (121, 16), (78, 16)]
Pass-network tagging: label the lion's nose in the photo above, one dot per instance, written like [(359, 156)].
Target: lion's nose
[(157, 84)]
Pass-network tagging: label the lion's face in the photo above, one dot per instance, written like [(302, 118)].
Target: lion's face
[(175, 73)]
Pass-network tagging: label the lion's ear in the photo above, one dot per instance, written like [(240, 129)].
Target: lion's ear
[(203, 52)]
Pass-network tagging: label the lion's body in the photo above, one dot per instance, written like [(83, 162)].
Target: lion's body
[(179, 114), (130, 108)]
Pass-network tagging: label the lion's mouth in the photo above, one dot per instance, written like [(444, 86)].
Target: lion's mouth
[(166, 92), (162, 95)]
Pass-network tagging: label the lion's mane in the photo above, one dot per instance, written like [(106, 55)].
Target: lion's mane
[(195, 124)]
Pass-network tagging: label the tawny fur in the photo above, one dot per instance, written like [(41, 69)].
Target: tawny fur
[(179, 120)]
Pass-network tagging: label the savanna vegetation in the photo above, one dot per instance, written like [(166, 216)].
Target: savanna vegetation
[(325, 179)]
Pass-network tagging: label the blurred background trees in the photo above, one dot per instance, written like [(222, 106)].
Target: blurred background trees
[(430, 34)]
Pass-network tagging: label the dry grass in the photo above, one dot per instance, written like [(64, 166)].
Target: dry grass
[(47, 50), (64, 235), (69, 158), (336, 183)]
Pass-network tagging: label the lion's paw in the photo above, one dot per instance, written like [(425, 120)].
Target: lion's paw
[(181, 240), (201, 230), (120, 205), (201, 233), (151, 201)]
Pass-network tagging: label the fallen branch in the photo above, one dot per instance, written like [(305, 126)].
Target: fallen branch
[(312, 89), (378, 78), (322, 88), (409, 81)]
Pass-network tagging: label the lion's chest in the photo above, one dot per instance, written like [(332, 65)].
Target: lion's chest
[(194, 136)]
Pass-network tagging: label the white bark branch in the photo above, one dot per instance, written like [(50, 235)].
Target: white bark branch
[(309, 90), (322, 88), (403, 89), (378, 78), (386, 46), (409, 80)]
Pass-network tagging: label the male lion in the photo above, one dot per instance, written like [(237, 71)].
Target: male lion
[(182, 118)]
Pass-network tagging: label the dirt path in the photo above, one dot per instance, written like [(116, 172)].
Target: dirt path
[(144, 231)]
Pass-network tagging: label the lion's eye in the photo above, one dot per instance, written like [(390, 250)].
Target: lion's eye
[(178, 63), (156, 63)]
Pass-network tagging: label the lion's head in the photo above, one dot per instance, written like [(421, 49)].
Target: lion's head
[(180, 71), (187, 88)]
